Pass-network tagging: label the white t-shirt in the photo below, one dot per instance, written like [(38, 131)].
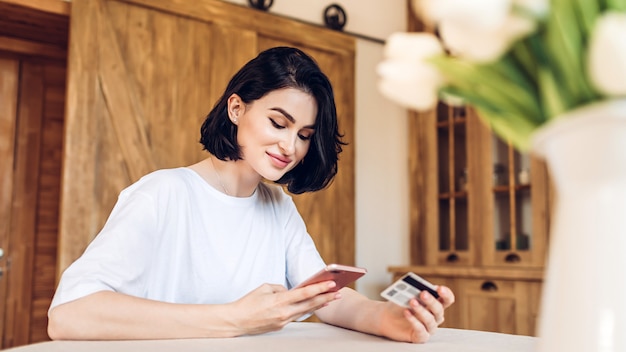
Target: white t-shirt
[(172, 237)]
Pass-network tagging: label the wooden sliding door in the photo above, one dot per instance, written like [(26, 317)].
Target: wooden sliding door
[(142, 76)]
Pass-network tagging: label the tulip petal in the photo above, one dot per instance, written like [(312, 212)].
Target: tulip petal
[(410, 94), (479, 45), (607, 54), (484, 14), (412, 46)]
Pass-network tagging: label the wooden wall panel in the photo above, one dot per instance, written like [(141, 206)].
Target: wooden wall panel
[(148, 84), (168, 59), (49, 185), (24, 205), (266, 24), (9, 78), (30, 158)]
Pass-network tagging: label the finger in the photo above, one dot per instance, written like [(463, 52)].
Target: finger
[(419, 332), (307, 292), (433, 305), (423, 315), (446, 296), (319, 301)]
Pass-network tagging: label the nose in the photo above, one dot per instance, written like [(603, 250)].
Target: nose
[(287, 144)]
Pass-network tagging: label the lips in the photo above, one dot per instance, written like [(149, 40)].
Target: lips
[(279, 160)]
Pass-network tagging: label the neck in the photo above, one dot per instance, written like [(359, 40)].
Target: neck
[(227, 176)]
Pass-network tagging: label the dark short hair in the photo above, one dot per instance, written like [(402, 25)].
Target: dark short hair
[(273, 69)]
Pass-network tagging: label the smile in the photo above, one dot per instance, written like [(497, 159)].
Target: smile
[(279, 161)]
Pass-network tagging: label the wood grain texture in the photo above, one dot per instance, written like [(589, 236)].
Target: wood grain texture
[(265, 24), (49, 185), (57, 7), (9, 78), (29, 48), (34, 177), (39, 21), (24, 204), (80, 214)]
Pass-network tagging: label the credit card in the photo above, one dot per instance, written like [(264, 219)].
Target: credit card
[(407, 287)]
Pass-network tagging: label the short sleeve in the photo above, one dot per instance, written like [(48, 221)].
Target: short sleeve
[(117, 258)]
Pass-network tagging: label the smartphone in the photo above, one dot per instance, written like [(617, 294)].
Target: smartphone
[(408, 286), (342, 275)]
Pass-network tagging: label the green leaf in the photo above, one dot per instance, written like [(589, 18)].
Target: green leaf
[(615, 5), (516, 129), (566, 46), (485, 80), (587, 13)]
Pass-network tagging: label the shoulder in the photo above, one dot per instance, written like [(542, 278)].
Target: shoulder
[(162, 181), (274, 194)]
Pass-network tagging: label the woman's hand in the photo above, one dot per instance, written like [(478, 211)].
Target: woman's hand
[(418, 323), (271, 307)]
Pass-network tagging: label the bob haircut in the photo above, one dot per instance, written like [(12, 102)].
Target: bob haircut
[(273, 69)]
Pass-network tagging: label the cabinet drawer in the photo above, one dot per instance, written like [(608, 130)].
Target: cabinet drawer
[(505, 306)]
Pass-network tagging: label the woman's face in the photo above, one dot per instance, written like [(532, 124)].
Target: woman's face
[(274, 132)]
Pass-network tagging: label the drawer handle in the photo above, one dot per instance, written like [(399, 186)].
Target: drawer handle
[(489, 286), (452, 258), (512, 258)]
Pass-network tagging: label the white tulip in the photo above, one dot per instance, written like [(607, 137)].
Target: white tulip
[(483, 45), (412, 46), (482, 30), (607, 54), (475, 13), (405, 77), (537, 8), (411, 85)]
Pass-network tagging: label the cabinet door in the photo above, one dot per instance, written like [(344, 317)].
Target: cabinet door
[(504, 306), (513, 188), (475, 201), (441, 195)]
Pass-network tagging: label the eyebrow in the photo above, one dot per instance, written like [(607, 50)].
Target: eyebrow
[(288, 116)]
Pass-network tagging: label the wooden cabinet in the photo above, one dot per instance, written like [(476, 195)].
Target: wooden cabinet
[(500, 300), (479, 220), (486, 204)]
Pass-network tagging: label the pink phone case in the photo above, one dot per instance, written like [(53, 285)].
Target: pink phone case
[(342, 275)]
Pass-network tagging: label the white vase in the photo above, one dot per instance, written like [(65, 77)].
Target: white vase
[(583, 304)]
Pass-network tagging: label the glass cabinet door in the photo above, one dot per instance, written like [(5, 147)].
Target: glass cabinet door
[(478, 201), (517, 215), (453, 236), (512, 215)]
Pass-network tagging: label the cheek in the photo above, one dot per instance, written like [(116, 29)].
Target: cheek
[(303, 149)]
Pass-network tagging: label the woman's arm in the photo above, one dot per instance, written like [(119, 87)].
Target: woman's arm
[(107, 315), (357, 312)]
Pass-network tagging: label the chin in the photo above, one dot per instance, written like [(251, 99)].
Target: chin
[(275, 176)]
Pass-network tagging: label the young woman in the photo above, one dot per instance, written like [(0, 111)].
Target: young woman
[(211, 250)]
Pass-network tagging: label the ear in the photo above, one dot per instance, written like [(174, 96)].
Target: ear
[(236, 108)]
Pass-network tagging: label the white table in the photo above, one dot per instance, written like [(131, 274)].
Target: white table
[(304, 337)]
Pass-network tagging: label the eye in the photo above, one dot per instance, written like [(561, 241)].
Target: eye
[(276, 125), (304, 137)]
